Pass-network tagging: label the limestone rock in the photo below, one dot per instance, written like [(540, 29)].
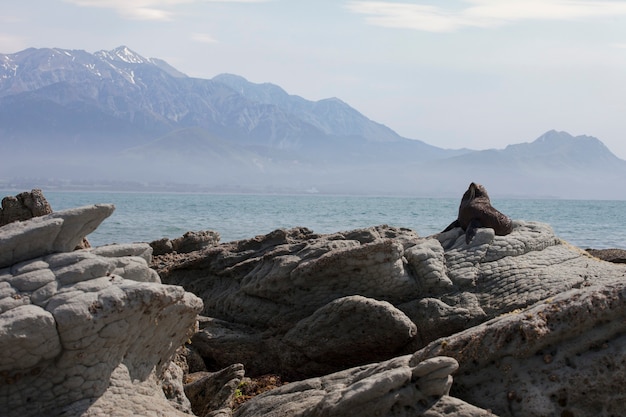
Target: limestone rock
[(266, 297), (212, 393), (189, 242), (27, 205), (24, 206), (173, 388), (348, 331), (162, 246), (60, 231), (610, 255), (565, 355), (86, 332), (397, 387), (193, 241)]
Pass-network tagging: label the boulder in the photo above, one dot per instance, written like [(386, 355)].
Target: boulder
[(563, 356), (302, 304), (189, 242), (87, 332), (24, 206)]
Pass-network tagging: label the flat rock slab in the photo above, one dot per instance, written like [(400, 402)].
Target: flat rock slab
[(60, 231)]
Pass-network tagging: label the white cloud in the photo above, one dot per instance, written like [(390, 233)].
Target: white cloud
[(480, 13), (147, 9), (134, 9), (203, 38)]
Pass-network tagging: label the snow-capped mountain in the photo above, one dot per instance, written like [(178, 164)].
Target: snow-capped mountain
[(144, 98), (116, 114)]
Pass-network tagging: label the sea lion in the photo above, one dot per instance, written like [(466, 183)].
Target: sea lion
[(476, 211)]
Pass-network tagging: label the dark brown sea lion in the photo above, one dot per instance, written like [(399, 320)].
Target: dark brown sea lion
[(476, 211)]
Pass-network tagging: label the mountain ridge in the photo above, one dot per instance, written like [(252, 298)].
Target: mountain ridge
[(144, 117)]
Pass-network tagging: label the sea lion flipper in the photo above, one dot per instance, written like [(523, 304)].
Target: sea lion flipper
[(471, 230), (452, 225)]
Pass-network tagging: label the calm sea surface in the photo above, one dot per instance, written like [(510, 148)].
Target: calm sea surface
[(143, 217)]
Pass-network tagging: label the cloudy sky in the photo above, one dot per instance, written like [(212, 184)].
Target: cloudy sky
[(469, 73)]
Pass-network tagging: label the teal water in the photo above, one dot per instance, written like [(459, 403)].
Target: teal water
[(143, 217)]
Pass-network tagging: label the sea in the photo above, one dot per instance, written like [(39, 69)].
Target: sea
[(144, 217)]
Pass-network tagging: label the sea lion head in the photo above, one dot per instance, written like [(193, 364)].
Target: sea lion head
[(473, 192)]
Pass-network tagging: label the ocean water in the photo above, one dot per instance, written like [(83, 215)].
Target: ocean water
[(144, 217)]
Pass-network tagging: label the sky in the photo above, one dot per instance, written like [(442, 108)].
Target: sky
[(475, 74)]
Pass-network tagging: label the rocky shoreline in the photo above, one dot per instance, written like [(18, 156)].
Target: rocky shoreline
[(368, 322)]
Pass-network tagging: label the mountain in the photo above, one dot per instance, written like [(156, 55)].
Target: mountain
[(122, 98), (118, 116), (556, 164)]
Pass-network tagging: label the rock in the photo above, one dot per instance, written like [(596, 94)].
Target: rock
[(268, 298), (162, 246), (27, 205), (61, 231), (193, 241), (173, 388), (453, 407), (189, 242), (341, 326), (24, 206), (88, 332), (212, 393), (563, 356), (398, 387), (610, 255)]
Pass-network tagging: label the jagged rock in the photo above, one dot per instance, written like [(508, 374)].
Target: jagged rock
[(193, 241), (257, 293), (563, 356), (617, 256), (61, 231), (212, 393), (173, 387), (162, 246), (397, 387), (27, 205), (24, 206), (86, 332), (189, 242)]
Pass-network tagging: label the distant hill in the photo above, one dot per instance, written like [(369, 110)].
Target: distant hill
[(115, 116)]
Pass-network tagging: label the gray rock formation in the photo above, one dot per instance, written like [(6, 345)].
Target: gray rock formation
[(399, 387), (86, 332), (301, 304), (563, 356), (211, 393), (189, 242), (617, 256), (53, 233), (378, 319), (23, 206)]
